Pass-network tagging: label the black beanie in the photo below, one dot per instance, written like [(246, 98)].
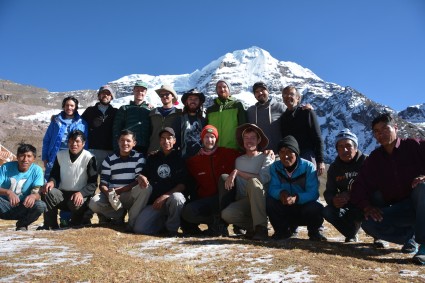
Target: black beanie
[(289, 142)]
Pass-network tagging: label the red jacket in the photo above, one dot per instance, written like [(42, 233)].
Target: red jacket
[(207, 169)]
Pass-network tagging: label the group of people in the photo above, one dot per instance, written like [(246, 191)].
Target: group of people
[(172, 169)]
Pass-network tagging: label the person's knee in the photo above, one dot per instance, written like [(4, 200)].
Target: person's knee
[(177, 199), (40, 206)]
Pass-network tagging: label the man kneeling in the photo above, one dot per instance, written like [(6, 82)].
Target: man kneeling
[(19, 185), (118, 185)]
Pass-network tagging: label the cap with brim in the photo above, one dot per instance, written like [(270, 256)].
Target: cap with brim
[(241, 129), (193, 91), (106, 87), (170, 89), (258, 85), (141, 83), (168, 130)]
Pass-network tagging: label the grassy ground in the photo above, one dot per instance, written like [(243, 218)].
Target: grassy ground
[(107, 254)]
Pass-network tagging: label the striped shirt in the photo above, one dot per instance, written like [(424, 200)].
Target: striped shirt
[(118, 172)]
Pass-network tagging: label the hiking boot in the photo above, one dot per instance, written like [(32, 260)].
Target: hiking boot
[(22, 228), (218, 228), (317, 236), (410, 247), (45, 227), (419, 257), (192, 231), (172, 234), (261, 233), (238, 231), (380, 244), (354, 239)]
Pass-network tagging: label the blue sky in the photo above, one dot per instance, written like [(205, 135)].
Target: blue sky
[(374, 46)]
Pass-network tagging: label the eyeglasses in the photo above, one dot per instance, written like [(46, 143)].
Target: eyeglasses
[(164, 94)]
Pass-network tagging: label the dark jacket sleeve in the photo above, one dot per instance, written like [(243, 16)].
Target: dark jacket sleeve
[(241, 114), (90, 188), (316, 136), (118, 126)]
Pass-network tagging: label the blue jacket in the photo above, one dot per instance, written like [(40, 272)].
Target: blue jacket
[(303, 182), (53, 137)]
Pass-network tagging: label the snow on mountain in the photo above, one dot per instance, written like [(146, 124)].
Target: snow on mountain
[(414, 114), (337, 107)]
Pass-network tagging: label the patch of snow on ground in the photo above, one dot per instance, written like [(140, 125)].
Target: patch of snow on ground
[(49, 252), (411, 273), (203, 254)]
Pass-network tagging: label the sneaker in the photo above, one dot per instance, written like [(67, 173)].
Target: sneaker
[(354, 239), (419, 257), (410, 247), (22, 228), (380, 244), (261, 233), (317, 236)]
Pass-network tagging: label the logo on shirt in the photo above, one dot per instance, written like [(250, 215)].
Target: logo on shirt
[(164, 171)]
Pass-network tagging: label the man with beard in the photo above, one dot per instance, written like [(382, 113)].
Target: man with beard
[(163, 116), (226, 114), (189, 125), (100, 119), (134, 117)]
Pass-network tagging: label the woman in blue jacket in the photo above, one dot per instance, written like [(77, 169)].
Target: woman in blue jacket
[(56, 137)]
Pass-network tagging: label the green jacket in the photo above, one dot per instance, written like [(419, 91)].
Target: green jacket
[(136, 119), (226, 116)]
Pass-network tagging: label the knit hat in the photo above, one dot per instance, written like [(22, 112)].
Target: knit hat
[(106, 87), (346, 134), (289, 142), (241, 130), (259, 84), (209, 129), (141, 83), (193, 91), (228, 86), (168, 88), (167, 129)]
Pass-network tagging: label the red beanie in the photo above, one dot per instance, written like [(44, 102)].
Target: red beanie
[(209, 129)]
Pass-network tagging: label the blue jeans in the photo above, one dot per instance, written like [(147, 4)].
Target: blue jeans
[(346, 220), (402, 220), (25, 216)]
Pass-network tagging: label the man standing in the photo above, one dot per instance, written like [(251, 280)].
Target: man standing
[(302, 124), (188, 126), (20, 182), (226, 114), (165, 174), (249, 179), (134, 117), (72, 182), (266, 114), (100, 119), (294, 193), (206, 169), (163, 116), (119, 172), (390, 187), (344, 216)]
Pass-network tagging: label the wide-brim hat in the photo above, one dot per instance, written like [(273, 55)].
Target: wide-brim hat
[(241, 129), (170, 89), (193, 91)]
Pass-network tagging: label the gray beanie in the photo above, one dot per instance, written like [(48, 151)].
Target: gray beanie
[(346, 134), (228, 86)]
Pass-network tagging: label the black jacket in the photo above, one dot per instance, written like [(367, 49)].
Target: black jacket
[(100, 127)]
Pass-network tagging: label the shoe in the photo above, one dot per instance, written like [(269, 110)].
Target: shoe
[(238, 231), (317, 236), (354, 239), (419, 257), (218, 228), (193, 231), (22, 228), (277, 236), (64, 223), (380, 244), (410, 247), (44, 227), (260, 234), (172, 234)]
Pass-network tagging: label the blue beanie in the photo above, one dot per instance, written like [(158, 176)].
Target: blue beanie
[(346, 134)]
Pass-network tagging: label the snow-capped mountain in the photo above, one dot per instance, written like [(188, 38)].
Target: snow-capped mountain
[(414, 114), (337, 107)]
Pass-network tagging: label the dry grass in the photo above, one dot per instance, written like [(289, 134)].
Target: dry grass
[(107, 254)]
